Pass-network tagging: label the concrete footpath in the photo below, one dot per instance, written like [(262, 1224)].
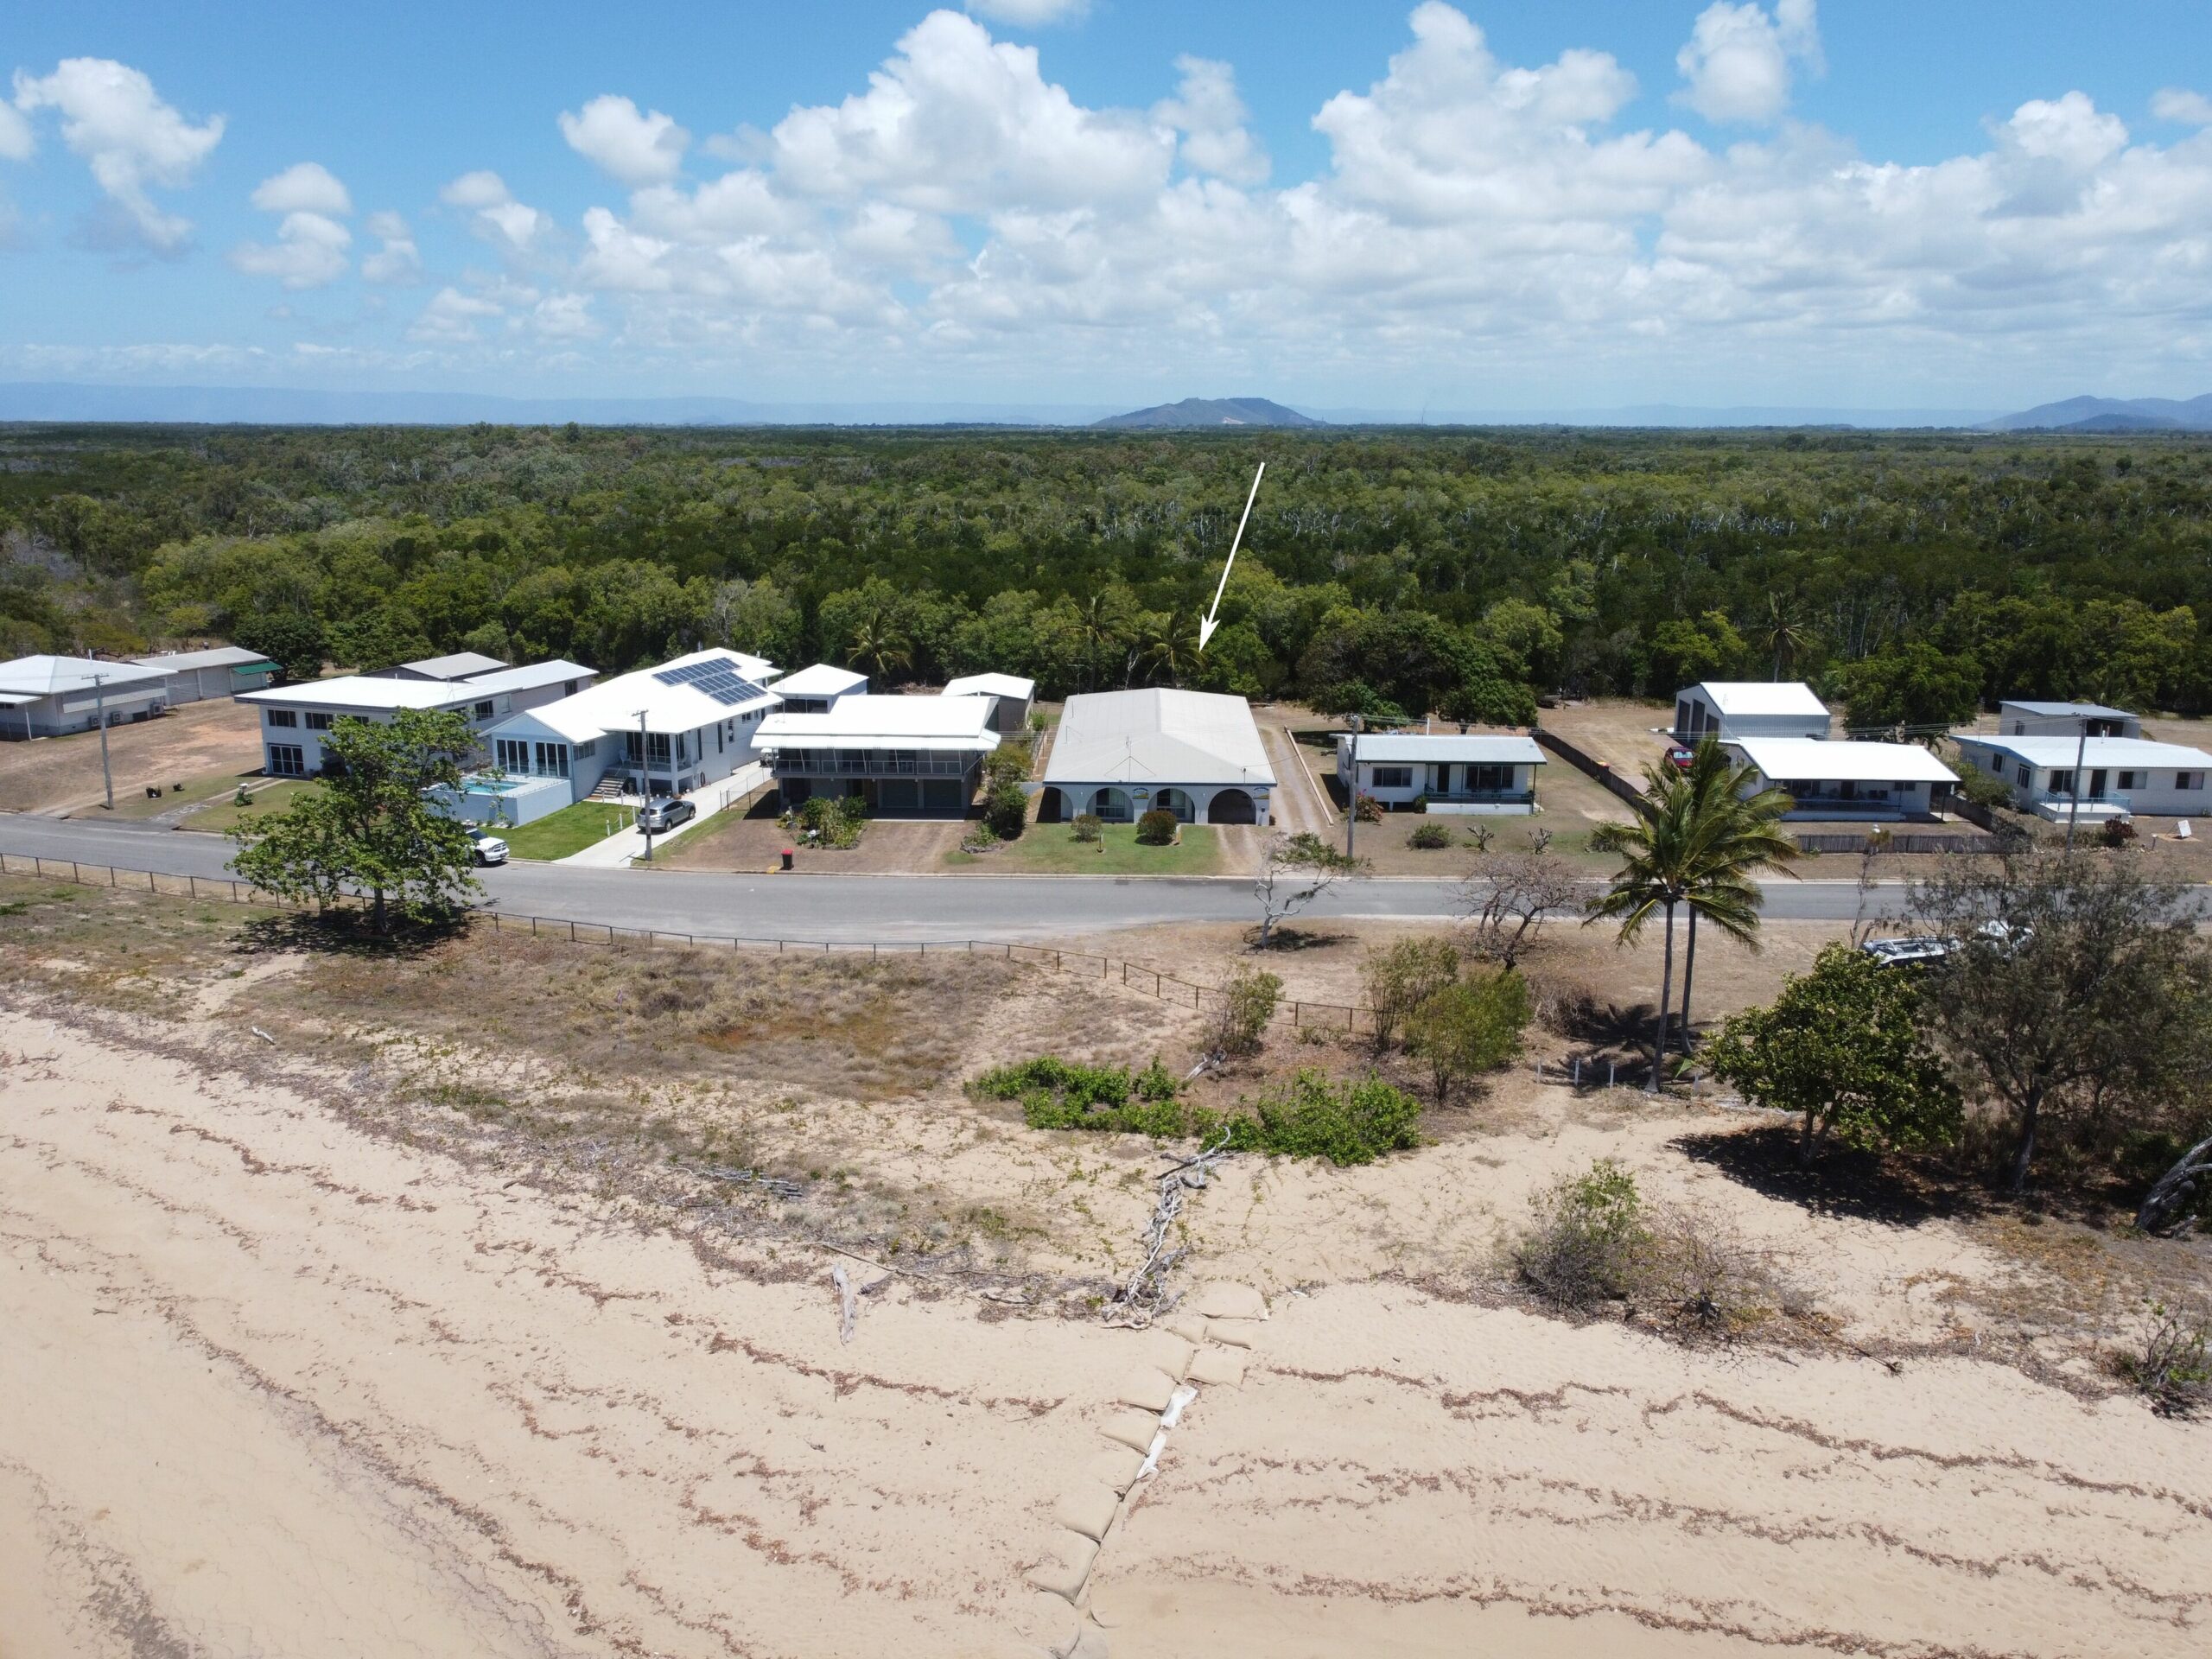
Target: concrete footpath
[(619, 851)]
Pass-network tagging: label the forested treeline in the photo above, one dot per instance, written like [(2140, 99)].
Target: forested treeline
[(1447, 570)]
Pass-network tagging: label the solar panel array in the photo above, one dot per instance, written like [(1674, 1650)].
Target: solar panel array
[(717, 677)]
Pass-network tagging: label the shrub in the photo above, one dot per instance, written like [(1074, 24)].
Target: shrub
[(1369, 810), (1347, 1123), (1156, 827), (1249, 998), (1588, 1234), (2172, 1363), (1088, 826), (981, 838), (1430, 837), (1399, 977), (835, 820), (1005, 811), (1469, 1027), (1006, 764)]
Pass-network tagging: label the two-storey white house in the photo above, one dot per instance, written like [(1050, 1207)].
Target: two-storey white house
[(904, 756), (296, 718), (668, 730), (1488, 773), (2119, 777), (1735, 709)]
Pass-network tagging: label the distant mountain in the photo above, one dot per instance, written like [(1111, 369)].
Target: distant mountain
[(2112, 415), (298, 406), (1213, 411)]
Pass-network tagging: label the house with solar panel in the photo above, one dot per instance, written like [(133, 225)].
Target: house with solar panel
[(670, 730)]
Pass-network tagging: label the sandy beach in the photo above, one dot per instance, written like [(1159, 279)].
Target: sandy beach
[(292, 1371)]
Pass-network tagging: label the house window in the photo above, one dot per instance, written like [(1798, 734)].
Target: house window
[(318, 722), (1391, 777), (2061, 783), (2189, 782), (552, 760), (483, 711), (283, 717), (1489, 781), (285, 761), (2025, 775), (588, 748), (513, 755), (2126, 780)]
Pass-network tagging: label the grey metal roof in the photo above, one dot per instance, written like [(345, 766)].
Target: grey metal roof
[(2065, 710), (1159, 736), (176, 662), (45, 677), (455, 665)]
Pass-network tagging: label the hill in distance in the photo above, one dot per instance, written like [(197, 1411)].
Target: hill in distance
[(2112, 415), (1213, 411)]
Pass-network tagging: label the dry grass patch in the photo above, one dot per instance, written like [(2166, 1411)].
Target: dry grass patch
[(137, 953)]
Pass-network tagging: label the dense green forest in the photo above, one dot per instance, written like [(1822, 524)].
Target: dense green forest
[(1456, 571)]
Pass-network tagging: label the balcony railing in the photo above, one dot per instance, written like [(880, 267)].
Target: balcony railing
[(848, 763), (1484, 797)]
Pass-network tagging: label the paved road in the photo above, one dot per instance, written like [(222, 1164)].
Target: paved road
[(843, 907)]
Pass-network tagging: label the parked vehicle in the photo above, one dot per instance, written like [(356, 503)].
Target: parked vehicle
[(1896, 951), (486, 848), (665, 813)]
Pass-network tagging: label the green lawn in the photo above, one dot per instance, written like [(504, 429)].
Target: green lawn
[(570, 831), (1052, 849), (221, 815), (197, 791)]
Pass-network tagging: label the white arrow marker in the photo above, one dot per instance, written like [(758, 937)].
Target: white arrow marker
[(1207, 623)]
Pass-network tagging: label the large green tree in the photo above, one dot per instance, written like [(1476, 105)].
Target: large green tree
[(371, 827)]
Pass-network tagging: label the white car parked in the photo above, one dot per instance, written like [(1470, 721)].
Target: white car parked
[(486, 848)]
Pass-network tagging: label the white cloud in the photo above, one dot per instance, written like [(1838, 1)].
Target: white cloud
[(17, 139), (2178, 104), (309, 253), (1739, 59), (303, 187), (632, 149), (957, 122), (397, 262), (1030, 13), (495, 215), (132, 140), (1210, 117), (453, 315), (564, 316)]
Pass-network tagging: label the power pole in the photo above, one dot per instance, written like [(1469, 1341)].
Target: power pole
[(2074, 804), (645, 784), (99, 708), (1351, 787)]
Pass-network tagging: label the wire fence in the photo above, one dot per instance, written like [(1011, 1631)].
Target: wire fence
[(1131, 975)]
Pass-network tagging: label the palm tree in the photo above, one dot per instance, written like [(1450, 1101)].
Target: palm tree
[(1745, 836), (1103, 621), (1784, 630), (878, 644), (1170, 645), (1695, 845)]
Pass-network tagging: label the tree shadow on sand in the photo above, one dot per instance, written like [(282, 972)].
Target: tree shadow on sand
[(1861, 1185), (344, 932)]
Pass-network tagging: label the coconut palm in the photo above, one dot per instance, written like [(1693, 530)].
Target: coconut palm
[(1784, 630), (879, 645), (1696, 845), (1746, 837), (1169, 644), (1102, 623)]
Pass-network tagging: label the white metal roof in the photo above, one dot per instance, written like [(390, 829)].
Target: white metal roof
[(1011, 686), (176, 662), (2063, 710), (1479, 748), (820, 680), (679, 706), (364, 692), (454, 665), (1812, 759), (46, 677), (528, 678), (2059, 750), (888, 722), (1158, 736), (1755, 697)]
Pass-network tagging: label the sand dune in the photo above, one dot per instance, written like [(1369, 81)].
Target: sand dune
[(276, 1385)]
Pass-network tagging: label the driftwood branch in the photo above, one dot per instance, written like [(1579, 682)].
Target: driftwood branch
[(2175, 1190)]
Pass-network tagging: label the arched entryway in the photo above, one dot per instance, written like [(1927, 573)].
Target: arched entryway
[(1111, 806), (1051, 805), (1176, 801), (1231, 806)]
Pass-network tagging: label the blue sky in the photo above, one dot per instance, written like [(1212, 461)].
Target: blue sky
[(1879, 204)]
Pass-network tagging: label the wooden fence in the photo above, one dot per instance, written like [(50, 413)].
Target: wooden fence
[(1132, 976), (1849, 842)]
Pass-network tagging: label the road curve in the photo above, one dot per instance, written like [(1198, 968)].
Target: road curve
[(843, 908)]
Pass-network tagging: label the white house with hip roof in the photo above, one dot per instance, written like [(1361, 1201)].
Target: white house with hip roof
[(1119, 754)]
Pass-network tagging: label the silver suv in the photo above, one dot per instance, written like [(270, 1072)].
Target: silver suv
[(664, 813)]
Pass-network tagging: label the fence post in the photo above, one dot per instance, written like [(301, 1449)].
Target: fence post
[(78, 876)]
